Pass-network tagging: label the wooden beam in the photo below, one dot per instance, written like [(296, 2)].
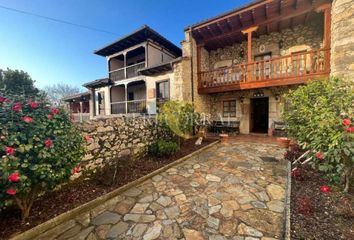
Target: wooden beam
[(286, 15), (235, 13), (266, 7), (295, 4), (279, 7), (252, 16), (239, 17)]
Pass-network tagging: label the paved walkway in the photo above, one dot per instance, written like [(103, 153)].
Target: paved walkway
[(227, 192)]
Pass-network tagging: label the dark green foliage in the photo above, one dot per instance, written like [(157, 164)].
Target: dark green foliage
[(163, 148), (315, 118), (17, 82)]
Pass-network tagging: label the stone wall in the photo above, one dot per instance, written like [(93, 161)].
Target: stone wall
[(118, 136), (342, 44), (301, 37), (243, 108)]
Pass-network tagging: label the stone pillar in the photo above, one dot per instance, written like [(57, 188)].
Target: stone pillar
[(92, 104), (107, 100), (126, 97), (342, 44)]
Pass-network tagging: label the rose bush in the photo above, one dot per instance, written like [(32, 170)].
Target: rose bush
[(40, 148), (319, 116)]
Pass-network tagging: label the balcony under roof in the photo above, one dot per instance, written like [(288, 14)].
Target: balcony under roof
[(269, 15), (140, 35)]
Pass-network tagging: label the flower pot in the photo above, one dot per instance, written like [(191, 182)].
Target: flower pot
[(224, 138), (283, 142)]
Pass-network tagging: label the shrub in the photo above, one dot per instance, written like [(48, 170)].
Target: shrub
[(179, 117), (163, 148), (319, 117), (293, 153), (39, 148)]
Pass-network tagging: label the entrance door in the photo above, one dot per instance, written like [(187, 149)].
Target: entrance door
[(259, 115)]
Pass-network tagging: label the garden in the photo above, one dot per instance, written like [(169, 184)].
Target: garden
[(319, 119), (42, 173)]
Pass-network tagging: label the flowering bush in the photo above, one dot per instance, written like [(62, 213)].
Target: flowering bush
[(39, 148), (319, 116)]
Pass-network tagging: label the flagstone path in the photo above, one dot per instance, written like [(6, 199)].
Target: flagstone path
[(226, 192)]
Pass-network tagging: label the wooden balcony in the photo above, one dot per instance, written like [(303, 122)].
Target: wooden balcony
[(126, 72), (285, 70)]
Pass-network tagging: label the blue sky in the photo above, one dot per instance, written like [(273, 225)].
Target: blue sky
[(53, 53)]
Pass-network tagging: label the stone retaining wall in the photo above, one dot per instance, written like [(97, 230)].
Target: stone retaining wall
[(119, 136)]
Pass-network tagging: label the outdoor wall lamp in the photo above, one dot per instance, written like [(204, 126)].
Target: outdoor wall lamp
[(258, 93), (277, 97), (242, 98)]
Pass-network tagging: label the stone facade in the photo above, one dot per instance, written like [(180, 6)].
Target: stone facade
[(301, 37), (342, 44), (119, 136)]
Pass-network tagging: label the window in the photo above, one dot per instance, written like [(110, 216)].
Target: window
[(229, 108), (163, 90)]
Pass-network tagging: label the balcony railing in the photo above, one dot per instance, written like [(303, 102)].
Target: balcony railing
[(124, 107), (126, 72), (285, 70)]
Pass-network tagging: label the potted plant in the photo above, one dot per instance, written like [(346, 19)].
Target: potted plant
[(283, 142), (224, 138)]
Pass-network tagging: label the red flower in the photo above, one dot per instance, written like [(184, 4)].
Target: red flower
[(76, 169), (48, 142), (88, 138), (319, 155), (27, 119), (296, 173), (50, 116), (346, 122), (11, 191), (10, 150), (17, 107), (14, 177), (349, 130), (325, 189), (3, 100), (55, 111), (32, 104)]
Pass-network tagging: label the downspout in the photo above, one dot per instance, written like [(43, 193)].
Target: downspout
[(192, 77)]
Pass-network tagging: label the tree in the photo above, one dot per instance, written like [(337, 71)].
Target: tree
[(55, 93), (40, 148), (179, 117), (319, 116), (17, 82)]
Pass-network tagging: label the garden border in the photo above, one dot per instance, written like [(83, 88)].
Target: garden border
[(287, 213), (48, 225)]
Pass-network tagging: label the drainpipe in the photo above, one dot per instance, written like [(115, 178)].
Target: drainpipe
[(192, 77)]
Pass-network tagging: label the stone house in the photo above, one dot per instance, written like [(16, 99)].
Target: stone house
[(235, 66), (141, 68), (239, 64)]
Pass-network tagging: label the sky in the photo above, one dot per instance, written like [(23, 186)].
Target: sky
[(53, 53)]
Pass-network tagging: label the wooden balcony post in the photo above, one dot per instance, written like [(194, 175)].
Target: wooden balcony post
[(199, 67), (249, 32)]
